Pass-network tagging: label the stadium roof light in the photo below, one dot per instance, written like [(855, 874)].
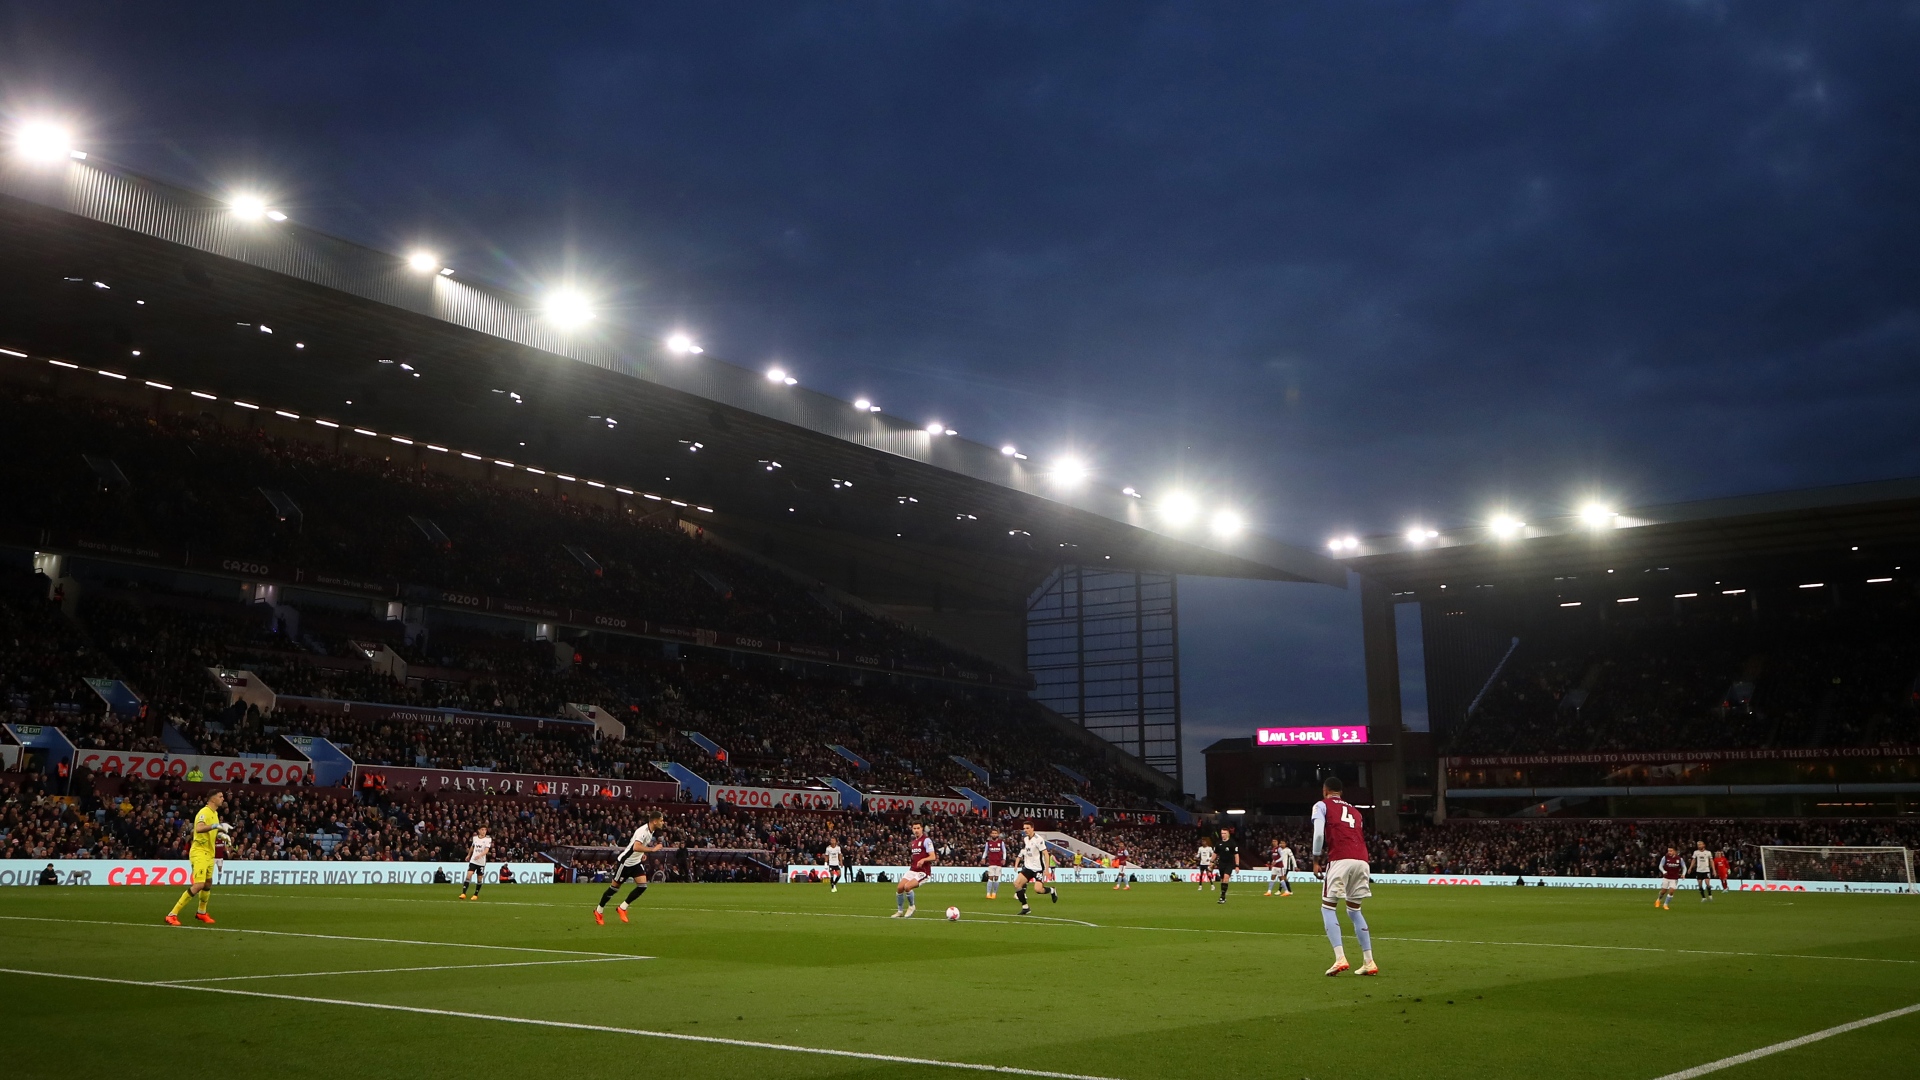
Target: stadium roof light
[(1344, 543), (862, 404), (248, 207), (1505, 526), (777, 375), (679, 343), (1178, 510), (935, 427), (1070, 472), (423, 262), (1597, 515), (568, 308), (1226, 524), (45, 142), (1420, 534)]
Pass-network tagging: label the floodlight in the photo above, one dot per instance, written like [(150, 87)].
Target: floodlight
[(1178, 510), (679, 344), (1344, 543), (1069, 472), (424, 262), (1505, 525), (249, 207), (862, 404), (1420, 534), (776, 375), (1226, 523), (1596, 516), (936, 427), (44, 142), (568, 308)]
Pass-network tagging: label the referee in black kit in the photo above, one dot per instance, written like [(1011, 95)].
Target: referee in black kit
[(1226, 859)]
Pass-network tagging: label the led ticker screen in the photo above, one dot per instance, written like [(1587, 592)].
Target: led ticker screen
[(1310, 736)]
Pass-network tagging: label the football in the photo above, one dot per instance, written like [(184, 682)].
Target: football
[(953, 914)]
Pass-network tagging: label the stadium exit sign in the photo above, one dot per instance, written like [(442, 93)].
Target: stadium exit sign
[(1309, 736)]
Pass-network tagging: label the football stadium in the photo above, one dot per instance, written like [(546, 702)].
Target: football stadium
[(399, 666)]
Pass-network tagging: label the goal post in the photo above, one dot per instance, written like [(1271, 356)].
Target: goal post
[(1837, 862)]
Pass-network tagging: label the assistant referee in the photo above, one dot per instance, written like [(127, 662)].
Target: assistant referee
[(1226, 859)]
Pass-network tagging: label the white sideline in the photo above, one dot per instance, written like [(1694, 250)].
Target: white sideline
[(323, 937), (1790, 1044), (600, 1028), (397, 970)]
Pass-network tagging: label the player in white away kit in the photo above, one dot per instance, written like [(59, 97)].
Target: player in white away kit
[(1703, 870), (631, 865), (1203, 858), (1280, 864), (920, 860), (1033, 867), (477, 852), (1336, 830), (833, 864)]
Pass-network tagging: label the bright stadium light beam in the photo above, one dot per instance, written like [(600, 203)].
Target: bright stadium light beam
[(862, 404), (45, 142), (568, 308), (776, 375), (680, 343), (1178, 510), (249, 207), (1070, 472), (1505, 526), (1226, 524), (423, 262), (935, 427), (1596, 516)]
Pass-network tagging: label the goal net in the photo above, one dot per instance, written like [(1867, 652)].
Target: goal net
[(1838, 863)]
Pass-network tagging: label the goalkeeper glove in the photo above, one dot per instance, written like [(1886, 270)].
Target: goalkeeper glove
[(225, 828)]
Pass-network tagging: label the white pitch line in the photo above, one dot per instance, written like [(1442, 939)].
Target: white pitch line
[(606, 1029), (323, 937), (392, 971), (1790, 1044)]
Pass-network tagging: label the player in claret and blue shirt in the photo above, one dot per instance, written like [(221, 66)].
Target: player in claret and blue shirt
[(1336, 831), (995, 856), (920, 860), (1671, 867)]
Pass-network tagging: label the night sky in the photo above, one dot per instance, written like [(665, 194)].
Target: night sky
[(1344, 266)]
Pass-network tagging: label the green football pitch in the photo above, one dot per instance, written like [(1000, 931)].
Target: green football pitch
[(770, 981)]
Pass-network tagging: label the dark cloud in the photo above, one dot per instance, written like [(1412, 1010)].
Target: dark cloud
[(1342, 263)]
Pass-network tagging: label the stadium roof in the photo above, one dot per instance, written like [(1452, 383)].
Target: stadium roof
[(1852, 522), (293, 319)]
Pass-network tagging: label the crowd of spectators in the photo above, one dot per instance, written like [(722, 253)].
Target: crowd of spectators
[(173, 482), (1796, 672), (1610, 848)]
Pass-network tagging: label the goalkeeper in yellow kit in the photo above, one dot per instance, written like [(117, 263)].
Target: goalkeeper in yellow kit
[(207, 827)]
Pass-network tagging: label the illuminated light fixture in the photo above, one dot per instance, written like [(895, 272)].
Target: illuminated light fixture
[(136, 352), (862, 404), (1878, 580), (680, 344), (424, 262), (470, 457), (1344, 543), (1505, 526), (158, 385), (446, 271), (1069, 472), (299, 344), (401, 441), (1131, 494), (285, 413), (1628, 600), (1009, 450), (326, 423), (368, 434), (704, 509), (676, 502), (595, 483), (936, 427), (1685, 595), (1178, 510), (568, 308), (1236, 813), (245, 404), (498, 461), (778, 375), (248, 207), (535, 471), (76, 367), (10, 352), (1732, 592), (111, 374), (45, 142), (275, 215), (1571, 603), (1596, 516), (1814, 585), (1420, 535), (1226, 523)]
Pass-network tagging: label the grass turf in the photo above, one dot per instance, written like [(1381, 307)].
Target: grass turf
[(1476, 983)]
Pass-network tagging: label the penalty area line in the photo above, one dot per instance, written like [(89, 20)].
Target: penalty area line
[(322, 937), (397, 970), (1790, 1044), (604, 1029)]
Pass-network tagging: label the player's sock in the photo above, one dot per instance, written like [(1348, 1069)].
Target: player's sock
[(1224, 882), (1331, 920), (205, 895), (1360, 930), (1021, 892), (182, 902), (634, 895), (899, 901), (476, 890), (606, 896)]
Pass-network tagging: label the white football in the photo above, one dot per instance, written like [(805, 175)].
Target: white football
[(953, 914)]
